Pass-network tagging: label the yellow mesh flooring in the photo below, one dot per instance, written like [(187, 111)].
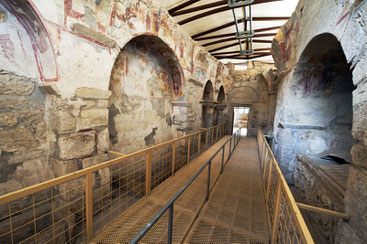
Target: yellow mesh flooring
[(235, 212)]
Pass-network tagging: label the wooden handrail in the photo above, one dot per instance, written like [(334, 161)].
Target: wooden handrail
[(77, 174), (322, 210), (301, 224)]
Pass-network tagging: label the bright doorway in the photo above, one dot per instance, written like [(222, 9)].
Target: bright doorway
[(240, 119)]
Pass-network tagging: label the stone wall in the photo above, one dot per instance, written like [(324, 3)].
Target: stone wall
[(69, 49), (254, 88), (316, 188), (24, 150), (345, 20)]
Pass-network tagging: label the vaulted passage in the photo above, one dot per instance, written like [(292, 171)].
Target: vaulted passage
[(183, 121)]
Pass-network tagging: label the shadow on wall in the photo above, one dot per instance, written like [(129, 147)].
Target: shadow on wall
[(315, 116), (145, 80)]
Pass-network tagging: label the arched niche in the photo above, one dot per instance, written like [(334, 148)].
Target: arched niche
[(26, 48), (208, 94), (145, 79), (208, 105), (219, 109), (316, 114), (221, 95)]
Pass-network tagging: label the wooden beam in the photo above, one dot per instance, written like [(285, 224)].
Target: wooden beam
[(236, 43), (202, 7), (322, 210), (228, 25), (216, 4), (181, 6), (243, 57), (234, 33), (236, 52), (234, 38), (215, 11), (238, 55)]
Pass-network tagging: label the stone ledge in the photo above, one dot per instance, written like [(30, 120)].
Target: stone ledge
[(92, 93)]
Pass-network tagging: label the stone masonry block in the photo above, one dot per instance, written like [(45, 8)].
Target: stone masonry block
[(85, 92), (17, 139), (94, 117), (66, 122), (355, 200), (15, 85), (359, 155), (77, 145)]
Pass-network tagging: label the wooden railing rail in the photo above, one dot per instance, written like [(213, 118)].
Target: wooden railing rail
[(286, 222)]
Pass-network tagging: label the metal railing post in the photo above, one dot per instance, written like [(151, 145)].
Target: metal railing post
[(89, 204), (188, 149), (269, 179), (148, 173), (199, 143), (208, 182), (170, 224), (276, 215), (173, 158), (221, 169), (230, 145), (212, 129), (216, 134), (206, 137)]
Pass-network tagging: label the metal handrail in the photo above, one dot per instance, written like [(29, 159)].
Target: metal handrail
[(236, 137), (87, 173), (283, 198)]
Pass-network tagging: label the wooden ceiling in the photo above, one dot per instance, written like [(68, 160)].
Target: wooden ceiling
[(211, 24)]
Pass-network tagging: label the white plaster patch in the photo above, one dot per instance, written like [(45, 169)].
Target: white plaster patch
[(83, 64), (52, 10)]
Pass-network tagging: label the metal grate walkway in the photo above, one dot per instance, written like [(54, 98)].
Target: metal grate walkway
[(235, 212)]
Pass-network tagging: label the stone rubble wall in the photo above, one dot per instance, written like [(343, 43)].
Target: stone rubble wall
[(346, 20), (317, 191)]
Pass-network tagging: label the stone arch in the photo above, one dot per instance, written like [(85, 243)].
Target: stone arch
[(27, 49), (221, 98), (317, 106), (219, 109), (208, 116), (146, 78), (208, 94)]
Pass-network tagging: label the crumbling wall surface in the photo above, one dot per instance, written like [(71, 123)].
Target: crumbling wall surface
[(72, 47), (23, 133), (345, 20), (317, 190), (256, 89)]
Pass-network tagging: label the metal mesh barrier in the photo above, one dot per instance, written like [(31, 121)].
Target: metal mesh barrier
[(285, 220), (53, 215), (116, 188), (72, 208)]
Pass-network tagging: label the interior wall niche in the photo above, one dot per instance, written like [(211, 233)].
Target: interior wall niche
[(208, 105), (26, 48), (145, 79), (219, 108), (317, 111)]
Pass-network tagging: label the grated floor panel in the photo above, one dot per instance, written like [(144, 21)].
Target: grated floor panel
[(235, 212)]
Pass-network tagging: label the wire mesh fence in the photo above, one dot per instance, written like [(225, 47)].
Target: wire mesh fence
[(71, 208), (286, 222)]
